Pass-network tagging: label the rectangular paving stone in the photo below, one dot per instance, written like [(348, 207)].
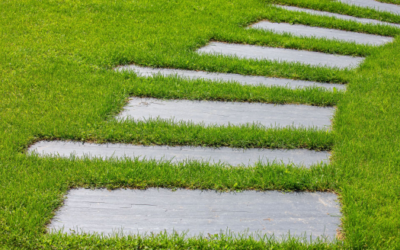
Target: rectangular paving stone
[(318, 32), (338, 16), (198, 212), (244, 80), (225, 156), (393, 8), (225, 113), (281, 55)]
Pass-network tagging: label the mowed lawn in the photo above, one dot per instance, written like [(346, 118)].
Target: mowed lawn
[(57, 83)]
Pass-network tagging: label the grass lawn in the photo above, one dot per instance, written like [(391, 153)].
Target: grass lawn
[(58, 83)]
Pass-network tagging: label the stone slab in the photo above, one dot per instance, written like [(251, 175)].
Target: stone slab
[(198, 212), (393, 8), (241, 79), (338, 16), (281, 55), (228, 113), (318, 32), (224, 156)]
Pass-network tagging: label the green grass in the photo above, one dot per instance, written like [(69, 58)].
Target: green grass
[(161, 132), (126, 173), (163, 241), (57, 82), (177, 88)]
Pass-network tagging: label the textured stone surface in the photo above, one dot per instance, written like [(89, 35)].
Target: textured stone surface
[(224, 155), (338, 16), (200, 212), (308, 31), (225, 113), (281, 55), (393, 8), (244, 80)]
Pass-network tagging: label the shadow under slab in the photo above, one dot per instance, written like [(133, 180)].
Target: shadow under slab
[(199, 212), (224, 155), (281, 55)]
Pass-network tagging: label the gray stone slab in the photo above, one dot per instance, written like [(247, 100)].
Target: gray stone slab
[(241, 79), (338, 16), (225, 113), (393, 8), (199, 212), (308, 31), (225, 156), (281, 55)]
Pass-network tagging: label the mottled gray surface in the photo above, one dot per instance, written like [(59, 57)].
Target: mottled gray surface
[(224, 113), (224, 155), (338, 16), (244, 80), (200, 212), (281, 55), (393, 8), (308, 31)]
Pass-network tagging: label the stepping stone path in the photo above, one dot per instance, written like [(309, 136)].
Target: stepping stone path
[(224, 156), (221, 77), (281, 55), (203, 212), (210, 212), (307, 31), (228, 113), (373, 4), (338, 16)]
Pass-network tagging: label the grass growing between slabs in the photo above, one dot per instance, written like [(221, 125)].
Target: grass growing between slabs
[(127, 173), (177, 88), (57, 83), (161, 132)]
